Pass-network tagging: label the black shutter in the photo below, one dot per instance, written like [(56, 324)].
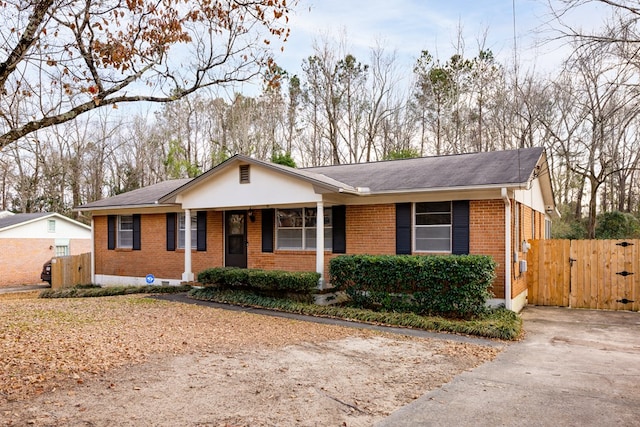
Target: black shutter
[(202, 231), (267, 229), (171, 231), (460, 232), (111, 232), (136, 232), (403, 228), (339, 218)]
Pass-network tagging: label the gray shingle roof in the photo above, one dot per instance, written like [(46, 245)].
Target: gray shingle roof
[(141, 197), (461, 170), (511, 167), (11, 220)]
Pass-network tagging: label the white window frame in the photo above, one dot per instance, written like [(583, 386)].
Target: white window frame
[(125, 232), (533, 223), (62, 250), (417, 227), (181, 230), (306, 230), (547, 228), (51, 226)]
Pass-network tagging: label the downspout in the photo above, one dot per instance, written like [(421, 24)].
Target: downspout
[(507, 249), (320, 243), (93, 251)]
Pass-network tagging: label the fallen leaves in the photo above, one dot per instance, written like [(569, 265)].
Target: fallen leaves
[(46, 343), (224, 367)]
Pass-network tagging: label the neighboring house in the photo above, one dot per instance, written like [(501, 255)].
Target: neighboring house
[(29, 240), (250, 213)]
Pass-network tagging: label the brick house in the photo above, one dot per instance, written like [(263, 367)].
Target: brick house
[(249, 213), (29, 240)]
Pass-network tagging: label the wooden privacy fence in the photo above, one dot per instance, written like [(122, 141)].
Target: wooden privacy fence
[(68, 271), (596, 274)]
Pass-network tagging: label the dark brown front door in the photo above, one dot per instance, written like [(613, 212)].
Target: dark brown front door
[(236, 239)]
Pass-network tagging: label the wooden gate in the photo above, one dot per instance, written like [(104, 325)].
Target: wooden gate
[(596, 274), (68, 271)]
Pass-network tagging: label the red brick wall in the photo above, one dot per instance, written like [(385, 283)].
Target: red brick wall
[(370, 230), (531, 227), (21, 259), (486, 230), (153, 257), (289, 260)]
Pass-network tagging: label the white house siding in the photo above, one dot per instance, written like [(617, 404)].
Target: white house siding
[(265, 188), (532, 197), (39, 228)]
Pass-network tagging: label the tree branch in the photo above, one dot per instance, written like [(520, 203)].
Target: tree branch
[(27, 39)]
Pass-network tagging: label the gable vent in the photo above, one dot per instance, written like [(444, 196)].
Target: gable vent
[(244, 174)]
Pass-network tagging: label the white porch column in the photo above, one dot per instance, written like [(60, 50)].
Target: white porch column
[(187, 276), (320, 243)]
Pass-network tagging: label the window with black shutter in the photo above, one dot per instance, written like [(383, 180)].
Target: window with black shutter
[(403, 228)]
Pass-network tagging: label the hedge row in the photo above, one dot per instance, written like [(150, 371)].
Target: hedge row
[(261, 280), (498, 323), (89, 291), (447, 285)]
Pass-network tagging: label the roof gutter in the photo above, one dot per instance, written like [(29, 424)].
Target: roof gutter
[(122, 207), (507, 249), (514, 186)]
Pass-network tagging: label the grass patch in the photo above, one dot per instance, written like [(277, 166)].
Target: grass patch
[(89, 291), (497, 323)]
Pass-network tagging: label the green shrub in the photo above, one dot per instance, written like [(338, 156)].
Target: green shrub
[(495, 323), (212, 276), (260, 280), (235, 277), (88, 291), (447, 285), (617, 225)]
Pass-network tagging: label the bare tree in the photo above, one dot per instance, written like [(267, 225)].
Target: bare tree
[(384, 103), (323, 95), (598, 110), (62, 58)]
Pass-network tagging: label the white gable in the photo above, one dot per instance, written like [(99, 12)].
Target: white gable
[(533, 196), (42, 228), (265, 187)]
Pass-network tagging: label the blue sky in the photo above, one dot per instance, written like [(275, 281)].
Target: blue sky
[(410, 26)]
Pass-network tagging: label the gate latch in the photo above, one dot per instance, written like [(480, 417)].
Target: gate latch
[(624, 244), (571, 261), (624, 273), (624, 301)]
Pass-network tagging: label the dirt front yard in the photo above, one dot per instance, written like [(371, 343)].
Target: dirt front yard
[(142, 362)]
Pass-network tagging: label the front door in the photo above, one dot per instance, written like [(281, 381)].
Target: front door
[(235, 250)]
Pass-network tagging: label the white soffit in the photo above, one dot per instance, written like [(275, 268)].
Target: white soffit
[(266, 187)]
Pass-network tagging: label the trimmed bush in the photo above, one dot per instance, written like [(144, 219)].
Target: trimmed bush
[(443, 285), (212, 276), (90, 291), (260, 280), (496, 323)]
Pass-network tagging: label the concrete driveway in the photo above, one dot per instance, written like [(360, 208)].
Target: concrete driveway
[(22, 288), (574, 368)]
